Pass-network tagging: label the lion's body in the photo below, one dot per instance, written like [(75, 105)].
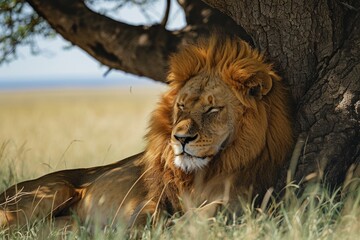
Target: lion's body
[(95, 195), (221, 132)]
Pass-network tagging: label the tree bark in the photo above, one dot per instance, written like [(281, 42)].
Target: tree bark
[(315, 46), (329, 115)]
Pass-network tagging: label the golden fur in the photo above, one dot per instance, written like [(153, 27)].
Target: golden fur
[(98, 195), (226, 109), (264, 135)]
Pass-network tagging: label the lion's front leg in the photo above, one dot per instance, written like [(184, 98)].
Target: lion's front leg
[(34, 200)]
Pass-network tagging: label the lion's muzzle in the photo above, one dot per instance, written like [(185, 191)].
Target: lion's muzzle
[(189, 156)]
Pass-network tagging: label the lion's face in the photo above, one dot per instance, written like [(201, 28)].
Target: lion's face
[(203, 121)]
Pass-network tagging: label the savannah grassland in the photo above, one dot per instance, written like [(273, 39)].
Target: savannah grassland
[(45, 131)]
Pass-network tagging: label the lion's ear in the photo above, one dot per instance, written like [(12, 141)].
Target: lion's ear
[(260, 85)]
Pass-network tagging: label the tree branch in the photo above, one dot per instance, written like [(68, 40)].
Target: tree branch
[(166, 15), (140, 50)]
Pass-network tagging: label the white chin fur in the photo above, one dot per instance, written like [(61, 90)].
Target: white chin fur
[(188, 163)]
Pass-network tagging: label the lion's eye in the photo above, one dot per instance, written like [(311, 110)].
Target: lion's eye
[(213, 110), (180, 106)]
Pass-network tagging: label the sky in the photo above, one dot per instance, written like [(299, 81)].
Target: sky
[(57, 64)]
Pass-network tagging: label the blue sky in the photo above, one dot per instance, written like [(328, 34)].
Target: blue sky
[(55, 63)]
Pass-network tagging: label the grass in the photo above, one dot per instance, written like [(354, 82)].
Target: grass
[(41, 132), (44, 131)]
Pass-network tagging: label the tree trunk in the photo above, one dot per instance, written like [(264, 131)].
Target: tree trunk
[(316, 47), (314, 44)]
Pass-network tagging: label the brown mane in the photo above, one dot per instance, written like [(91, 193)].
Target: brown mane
[(254, 164)]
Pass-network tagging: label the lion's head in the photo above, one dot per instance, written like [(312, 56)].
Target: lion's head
[(205, 115), (225, 112)]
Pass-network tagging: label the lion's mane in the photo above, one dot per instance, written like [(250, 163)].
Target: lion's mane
[(255, 164)]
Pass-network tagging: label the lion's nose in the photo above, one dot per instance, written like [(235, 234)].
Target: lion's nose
[(185, 138)]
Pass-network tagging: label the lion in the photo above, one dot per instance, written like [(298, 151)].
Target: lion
[(221, 132)]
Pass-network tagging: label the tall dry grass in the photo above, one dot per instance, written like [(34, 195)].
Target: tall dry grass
[(45, 131)]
